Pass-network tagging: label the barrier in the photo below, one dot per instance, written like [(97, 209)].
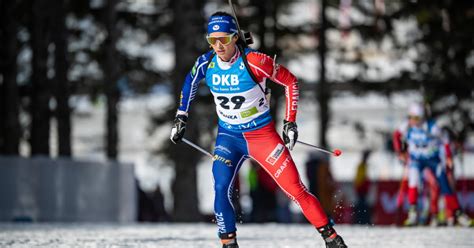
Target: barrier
[(43, 189), (382, 206), (385, 209)]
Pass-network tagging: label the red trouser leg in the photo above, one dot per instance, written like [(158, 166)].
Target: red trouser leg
[(402, 191), (266, 147), (433, 189), (452, 204), (412, 195), (413, 181)]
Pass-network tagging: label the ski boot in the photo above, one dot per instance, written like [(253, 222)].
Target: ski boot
[(231, 244), (412, 219), (434, 221), (331, 238), (229, 240), (462, 219)]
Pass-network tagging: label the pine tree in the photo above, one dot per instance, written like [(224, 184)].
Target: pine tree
[(187, 28), (61, 83), (111, 71), (41, 84), (9, 100)]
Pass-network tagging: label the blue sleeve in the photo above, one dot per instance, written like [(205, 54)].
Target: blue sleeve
[(191, 82)]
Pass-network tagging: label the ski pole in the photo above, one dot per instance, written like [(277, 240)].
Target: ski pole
[(198, 148), (214, 158), (336, 152)]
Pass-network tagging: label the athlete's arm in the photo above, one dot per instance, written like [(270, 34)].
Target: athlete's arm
[(191, 84), (399, 143), (188, 92), (263, 66), (445, 143)]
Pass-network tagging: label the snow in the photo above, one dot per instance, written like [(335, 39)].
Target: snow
[(92, 35), (145, 7), (299, 13), (165, 60), (159, 53), (300, 67), (406, 30), (470, 60), (204, 235)]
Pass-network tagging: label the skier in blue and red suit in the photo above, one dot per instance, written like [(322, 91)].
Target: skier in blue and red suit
[(236, 76), (425, 150)]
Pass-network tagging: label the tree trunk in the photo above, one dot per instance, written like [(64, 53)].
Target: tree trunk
[(188, 28), (111, 77), (278, 91), (323, 89), (61, 92), (10, 126), (40, 95)]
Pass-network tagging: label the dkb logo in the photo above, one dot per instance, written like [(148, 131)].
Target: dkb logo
[(225, 80)]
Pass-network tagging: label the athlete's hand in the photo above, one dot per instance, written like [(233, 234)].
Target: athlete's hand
[(449, 163), (403, 157), (290, 134), (179, 126)]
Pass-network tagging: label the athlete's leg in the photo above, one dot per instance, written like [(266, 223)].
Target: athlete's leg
[(447, 191), (433, 191), (453, 211), (403, 188), (228, 157), (451, 178), (266, 147), (414, 181), (402, 194)]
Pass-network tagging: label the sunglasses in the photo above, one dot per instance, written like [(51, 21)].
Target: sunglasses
[(415, 118), (224, 40)]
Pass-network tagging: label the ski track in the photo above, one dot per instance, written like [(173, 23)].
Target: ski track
[(204, 235)]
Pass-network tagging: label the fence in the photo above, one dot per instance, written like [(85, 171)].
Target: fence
[(44, 189)]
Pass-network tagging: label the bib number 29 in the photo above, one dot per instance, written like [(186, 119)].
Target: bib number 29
[(237, 101)]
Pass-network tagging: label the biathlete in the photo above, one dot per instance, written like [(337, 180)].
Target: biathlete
[(236, 75), (426, 149)]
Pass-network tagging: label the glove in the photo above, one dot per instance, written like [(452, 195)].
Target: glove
[(179, 126), (403, 157), (290, 133)]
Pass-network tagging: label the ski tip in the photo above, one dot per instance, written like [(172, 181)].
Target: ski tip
[(337, 152)]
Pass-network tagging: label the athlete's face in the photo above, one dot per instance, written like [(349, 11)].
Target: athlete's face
[(223, 44), (414, 120)]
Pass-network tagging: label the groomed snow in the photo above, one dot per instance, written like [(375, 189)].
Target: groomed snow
[(203, 235)]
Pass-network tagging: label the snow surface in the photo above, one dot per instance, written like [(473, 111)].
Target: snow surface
[(204, 235)]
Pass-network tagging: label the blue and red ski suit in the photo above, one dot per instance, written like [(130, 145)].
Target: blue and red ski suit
[(246, 129), (426, 149)]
